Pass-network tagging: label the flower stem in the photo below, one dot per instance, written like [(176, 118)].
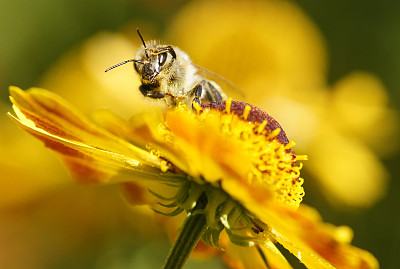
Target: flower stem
[(189, 235)]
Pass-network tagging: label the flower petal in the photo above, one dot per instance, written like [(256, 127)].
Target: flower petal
[(313, 242), (274, 256), (136, 130), (302, 232), (91, 153)]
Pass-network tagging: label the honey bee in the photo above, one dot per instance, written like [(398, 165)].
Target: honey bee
[(166, 72)]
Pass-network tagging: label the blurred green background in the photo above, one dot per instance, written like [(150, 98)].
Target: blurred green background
[(53, 229)]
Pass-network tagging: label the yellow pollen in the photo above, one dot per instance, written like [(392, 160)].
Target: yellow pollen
[(180, 107), (261, 127), (274, 133), (246, 111), (228, 105), (289, 145), (164, 166), (197, 106), (301, 157)]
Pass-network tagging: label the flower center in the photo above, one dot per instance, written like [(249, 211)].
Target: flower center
[(273, 163)]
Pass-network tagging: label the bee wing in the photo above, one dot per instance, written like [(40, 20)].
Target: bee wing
[(230, 89)]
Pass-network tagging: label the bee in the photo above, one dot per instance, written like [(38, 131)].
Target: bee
[(166, 72)]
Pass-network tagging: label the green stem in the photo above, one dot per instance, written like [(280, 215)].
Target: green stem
[(189, 235)]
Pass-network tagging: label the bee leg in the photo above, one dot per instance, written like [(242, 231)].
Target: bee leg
[(147, 92), (196, 92), (155, 94), (213, 94)]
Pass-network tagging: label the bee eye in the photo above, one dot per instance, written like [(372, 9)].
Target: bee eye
[(162, 58)]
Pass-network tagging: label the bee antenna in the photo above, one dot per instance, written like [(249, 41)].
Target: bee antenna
[(121, 63), (144, 44)]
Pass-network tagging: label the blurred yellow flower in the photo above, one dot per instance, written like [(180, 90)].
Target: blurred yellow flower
[(269, 41), (231, 163), (79, 75), (277, 56)]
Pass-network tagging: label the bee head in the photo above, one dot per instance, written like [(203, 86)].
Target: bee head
[(151, 61)]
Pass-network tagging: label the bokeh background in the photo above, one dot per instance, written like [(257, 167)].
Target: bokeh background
[(328, 71)]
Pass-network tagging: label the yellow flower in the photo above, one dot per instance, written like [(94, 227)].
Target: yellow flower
[(230, 164), (276, 54)]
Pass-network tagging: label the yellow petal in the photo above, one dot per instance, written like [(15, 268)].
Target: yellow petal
[(313, 242), (137, 130), (302, 232), (200, 150), (274, 256), (90, 152)]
